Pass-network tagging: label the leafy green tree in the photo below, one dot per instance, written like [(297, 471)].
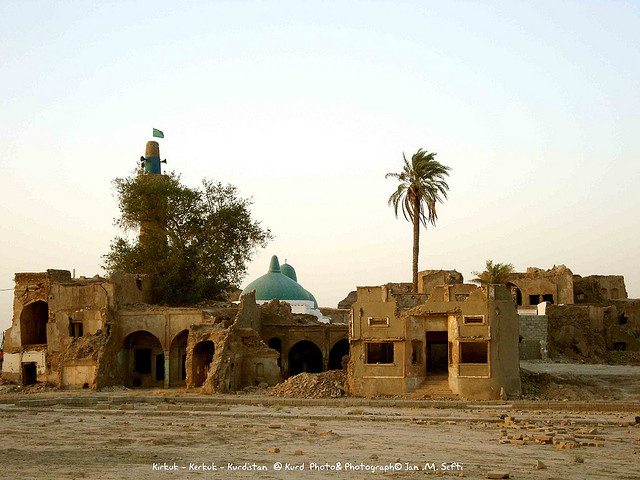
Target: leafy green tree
[(497, 273), (421, 186), (194, 243)]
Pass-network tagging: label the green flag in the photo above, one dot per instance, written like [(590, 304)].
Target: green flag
[(158, 133)]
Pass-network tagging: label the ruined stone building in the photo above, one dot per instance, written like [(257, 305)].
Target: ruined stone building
[(98, 332), (566, 314)]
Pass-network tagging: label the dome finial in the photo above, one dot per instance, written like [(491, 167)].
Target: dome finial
[(274, 266)]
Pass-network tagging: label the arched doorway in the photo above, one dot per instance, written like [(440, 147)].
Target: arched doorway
[(305, 356), (33, 323), (515, 293), (178, 360), (339, 350), (143, 360), (201, 361)]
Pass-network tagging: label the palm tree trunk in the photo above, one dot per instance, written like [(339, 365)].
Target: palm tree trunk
[(416, 243)]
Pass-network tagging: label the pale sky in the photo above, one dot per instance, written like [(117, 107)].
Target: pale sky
[(304, 106)]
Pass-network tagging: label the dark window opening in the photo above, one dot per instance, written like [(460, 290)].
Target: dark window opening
[(160, 367), (470, 319), (75, 329), (474, 352), (547, 298), (416, 352), (622, 319), (620, 346), (29, 373), (139, 283), (142, 361), (378, 322), (380, 353), (534, 299)]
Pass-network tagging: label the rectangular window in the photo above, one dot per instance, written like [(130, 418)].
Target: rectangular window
[(474, 319), (534, 299), (474, 352), (378, 321), (75, 328), (142, 360), (379, 353), (547, 298)]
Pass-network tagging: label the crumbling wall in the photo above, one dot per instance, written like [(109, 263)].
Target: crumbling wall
[(622, 326), (79, 365), (240, 359), (599, 288), (577, 332), (429, 279)]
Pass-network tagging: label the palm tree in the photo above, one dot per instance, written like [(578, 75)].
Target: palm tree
[(494, 273), (422, 185)]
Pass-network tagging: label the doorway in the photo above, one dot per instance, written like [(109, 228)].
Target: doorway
[(29, 373), (437, 352)]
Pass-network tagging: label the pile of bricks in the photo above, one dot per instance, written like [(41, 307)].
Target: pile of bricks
[(312, 385)]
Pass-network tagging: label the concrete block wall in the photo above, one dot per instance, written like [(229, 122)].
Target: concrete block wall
[(534, 331)]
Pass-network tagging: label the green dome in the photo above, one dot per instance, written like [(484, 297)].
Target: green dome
[(289, 271), (275, 284), (312, 298)]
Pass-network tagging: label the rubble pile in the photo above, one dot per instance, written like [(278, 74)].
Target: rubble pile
[(312, 385)]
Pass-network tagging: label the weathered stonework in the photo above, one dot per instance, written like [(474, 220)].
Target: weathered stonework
[(98, 332)]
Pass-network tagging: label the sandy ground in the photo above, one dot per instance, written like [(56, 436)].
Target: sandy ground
[(63, 443), (630, 371), (559, 381)]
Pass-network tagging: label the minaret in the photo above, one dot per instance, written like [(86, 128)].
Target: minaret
[(152, 158), (153, 230)]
